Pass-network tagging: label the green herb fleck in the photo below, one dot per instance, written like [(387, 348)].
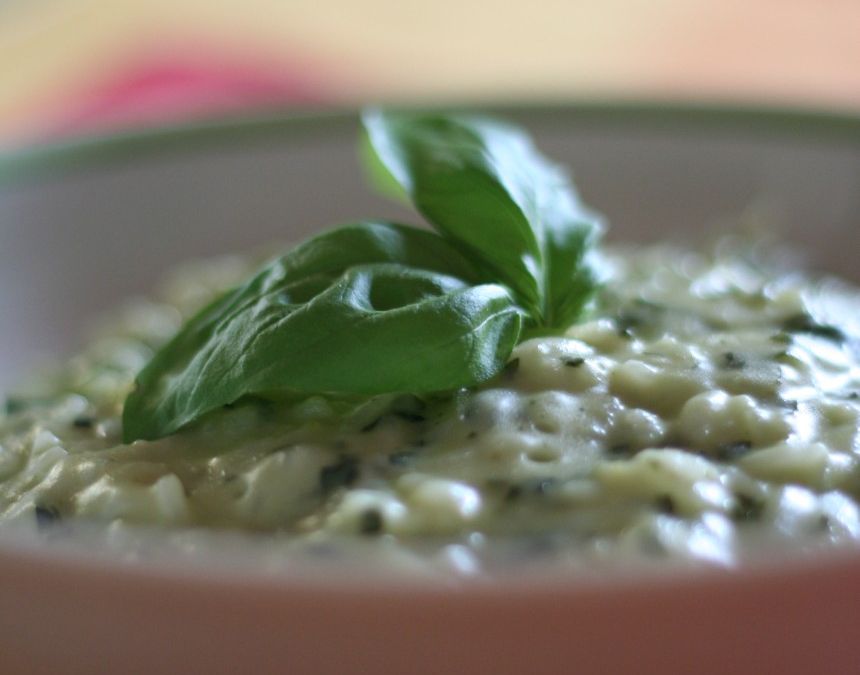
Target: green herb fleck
[(535, 488), (370, 426), (510, 370), (731, 452), (83, 422), (747, 509), (626, 323), (342, 474), (732, 361), (787, 404), (620, 450), (18, 404), (370, 522), (401, 458), (46, 516), (665, 504), (641, 317), (804, 323), (411, 417), (15, 405)]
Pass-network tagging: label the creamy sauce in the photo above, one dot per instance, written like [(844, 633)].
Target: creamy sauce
[(705, 411)]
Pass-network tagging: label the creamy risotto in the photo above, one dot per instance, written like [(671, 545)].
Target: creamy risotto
[(705, 410)]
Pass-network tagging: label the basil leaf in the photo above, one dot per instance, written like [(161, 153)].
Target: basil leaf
[(483, 184), (572, 267), (374, 308), (371, 329), (319, 261), (325, 256)]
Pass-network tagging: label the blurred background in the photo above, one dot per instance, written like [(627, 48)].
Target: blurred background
[(70, 67)]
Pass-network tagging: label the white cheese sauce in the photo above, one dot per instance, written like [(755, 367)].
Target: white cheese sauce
[(704, 411)]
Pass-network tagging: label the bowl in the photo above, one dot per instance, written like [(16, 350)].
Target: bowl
[(85, 224)]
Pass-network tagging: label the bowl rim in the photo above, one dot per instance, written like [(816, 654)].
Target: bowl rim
[(34, 557), (45, 159)]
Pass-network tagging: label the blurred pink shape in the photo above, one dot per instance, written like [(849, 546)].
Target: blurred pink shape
[(186, 85)]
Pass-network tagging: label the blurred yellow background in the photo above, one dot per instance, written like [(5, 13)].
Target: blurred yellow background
[(68, 66)]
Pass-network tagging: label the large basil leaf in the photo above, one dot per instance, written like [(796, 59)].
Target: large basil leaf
[(319, 261), (363, 329), (483, 184)]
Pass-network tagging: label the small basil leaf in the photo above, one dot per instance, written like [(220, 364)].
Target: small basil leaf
[(572, 266), (483, 184), (372, 329)]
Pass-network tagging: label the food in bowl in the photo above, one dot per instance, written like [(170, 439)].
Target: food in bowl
[(501, 391)]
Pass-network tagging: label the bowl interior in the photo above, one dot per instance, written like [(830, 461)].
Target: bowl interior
[(81, 228)]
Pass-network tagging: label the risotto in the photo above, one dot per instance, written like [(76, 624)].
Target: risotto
[(705, 410)]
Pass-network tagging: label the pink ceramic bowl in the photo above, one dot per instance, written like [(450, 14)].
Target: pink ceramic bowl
[(83, 226)]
